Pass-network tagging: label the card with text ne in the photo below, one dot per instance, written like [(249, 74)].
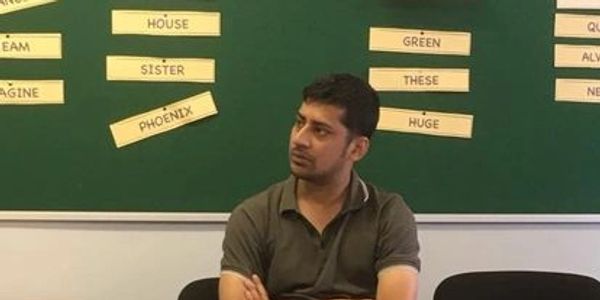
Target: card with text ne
[(579, 26), (31, 92), (31, 45), (419, 80), (578, 90), (166, 23), (419, 41), (577, 4), (137, 68), (576, 56), (163, 119), (425, 122), (7, 6)]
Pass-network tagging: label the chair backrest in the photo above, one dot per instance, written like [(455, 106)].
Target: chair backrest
[(518, 285), (201, 289)]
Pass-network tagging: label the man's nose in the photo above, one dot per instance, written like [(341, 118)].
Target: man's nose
[(301, 137)]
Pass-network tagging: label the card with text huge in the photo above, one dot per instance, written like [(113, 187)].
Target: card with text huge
[(425, 122)]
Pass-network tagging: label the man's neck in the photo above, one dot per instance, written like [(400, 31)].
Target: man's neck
[(325, 193), (320, 202)]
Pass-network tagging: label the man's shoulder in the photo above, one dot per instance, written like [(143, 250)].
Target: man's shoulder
[(385, 200)]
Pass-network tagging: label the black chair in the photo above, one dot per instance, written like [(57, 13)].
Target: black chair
[(201, 289), (518, 285)]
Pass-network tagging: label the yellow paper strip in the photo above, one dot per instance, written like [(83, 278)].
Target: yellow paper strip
[(577, 4), (31, 45), (166, 23), (578, 90), (135, 68), (579, 26), (7, 6), (430, 123), (419, 41), (576, 56), (419, 80), (163, 119), (30, 92)]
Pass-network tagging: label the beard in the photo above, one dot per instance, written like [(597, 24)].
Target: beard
[(306, 169), (305, 166), (302, 166)]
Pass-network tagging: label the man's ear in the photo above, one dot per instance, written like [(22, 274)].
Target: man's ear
[(359, 147)]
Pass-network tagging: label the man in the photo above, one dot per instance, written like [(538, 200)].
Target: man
[(323, 233)]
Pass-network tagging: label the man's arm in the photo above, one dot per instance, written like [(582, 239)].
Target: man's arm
[(398, 260), (234, 286), (231, 286), (242, 248), (397, 283)]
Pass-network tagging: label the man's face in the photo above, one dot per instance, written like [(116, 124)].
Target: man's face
[(319, 142)]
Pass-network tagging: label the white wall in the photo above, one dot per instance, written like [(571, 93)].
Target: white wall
[(153, 261)]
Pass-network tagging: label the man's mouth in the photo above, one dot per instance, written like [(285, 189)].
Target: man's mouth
[(299, 157)]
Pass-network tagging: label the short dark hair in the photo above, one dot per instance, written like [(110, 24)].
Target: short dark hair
[(358, 99)]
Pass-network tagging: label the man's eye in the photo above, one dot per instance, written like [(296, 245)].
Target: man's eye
[(321, 131)]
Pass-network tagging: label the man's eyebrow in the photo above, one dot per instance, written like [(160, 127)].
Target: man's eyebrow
[(323, 124), (315, 123)]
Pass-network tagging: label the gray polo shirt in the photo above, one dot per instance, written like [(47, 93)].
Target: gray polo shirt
[(266, 235)]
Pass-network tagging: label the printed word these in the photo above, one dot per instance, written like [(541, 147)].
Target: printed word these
[(421, 79)]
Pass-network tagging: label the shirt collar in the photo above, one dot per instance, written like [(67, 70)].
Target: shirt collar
[(359, 194)]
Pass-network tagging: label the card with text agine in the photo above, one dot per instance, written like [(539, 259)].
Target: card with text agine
[(577, 4), (576, 56), (31, 92), (425, 122), (419, 80), (31, 45), (577, 90), (166, 23), (579, 26), (138, 68), (419, 41), (7, 6), (163, 119)]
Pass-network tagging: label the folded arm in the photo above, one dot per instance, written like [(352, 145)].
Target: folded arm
[(234, 286), (397, 283)]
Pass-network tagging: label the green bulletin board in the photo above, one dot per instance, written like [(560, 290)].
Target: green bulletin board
[(528, 153)]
